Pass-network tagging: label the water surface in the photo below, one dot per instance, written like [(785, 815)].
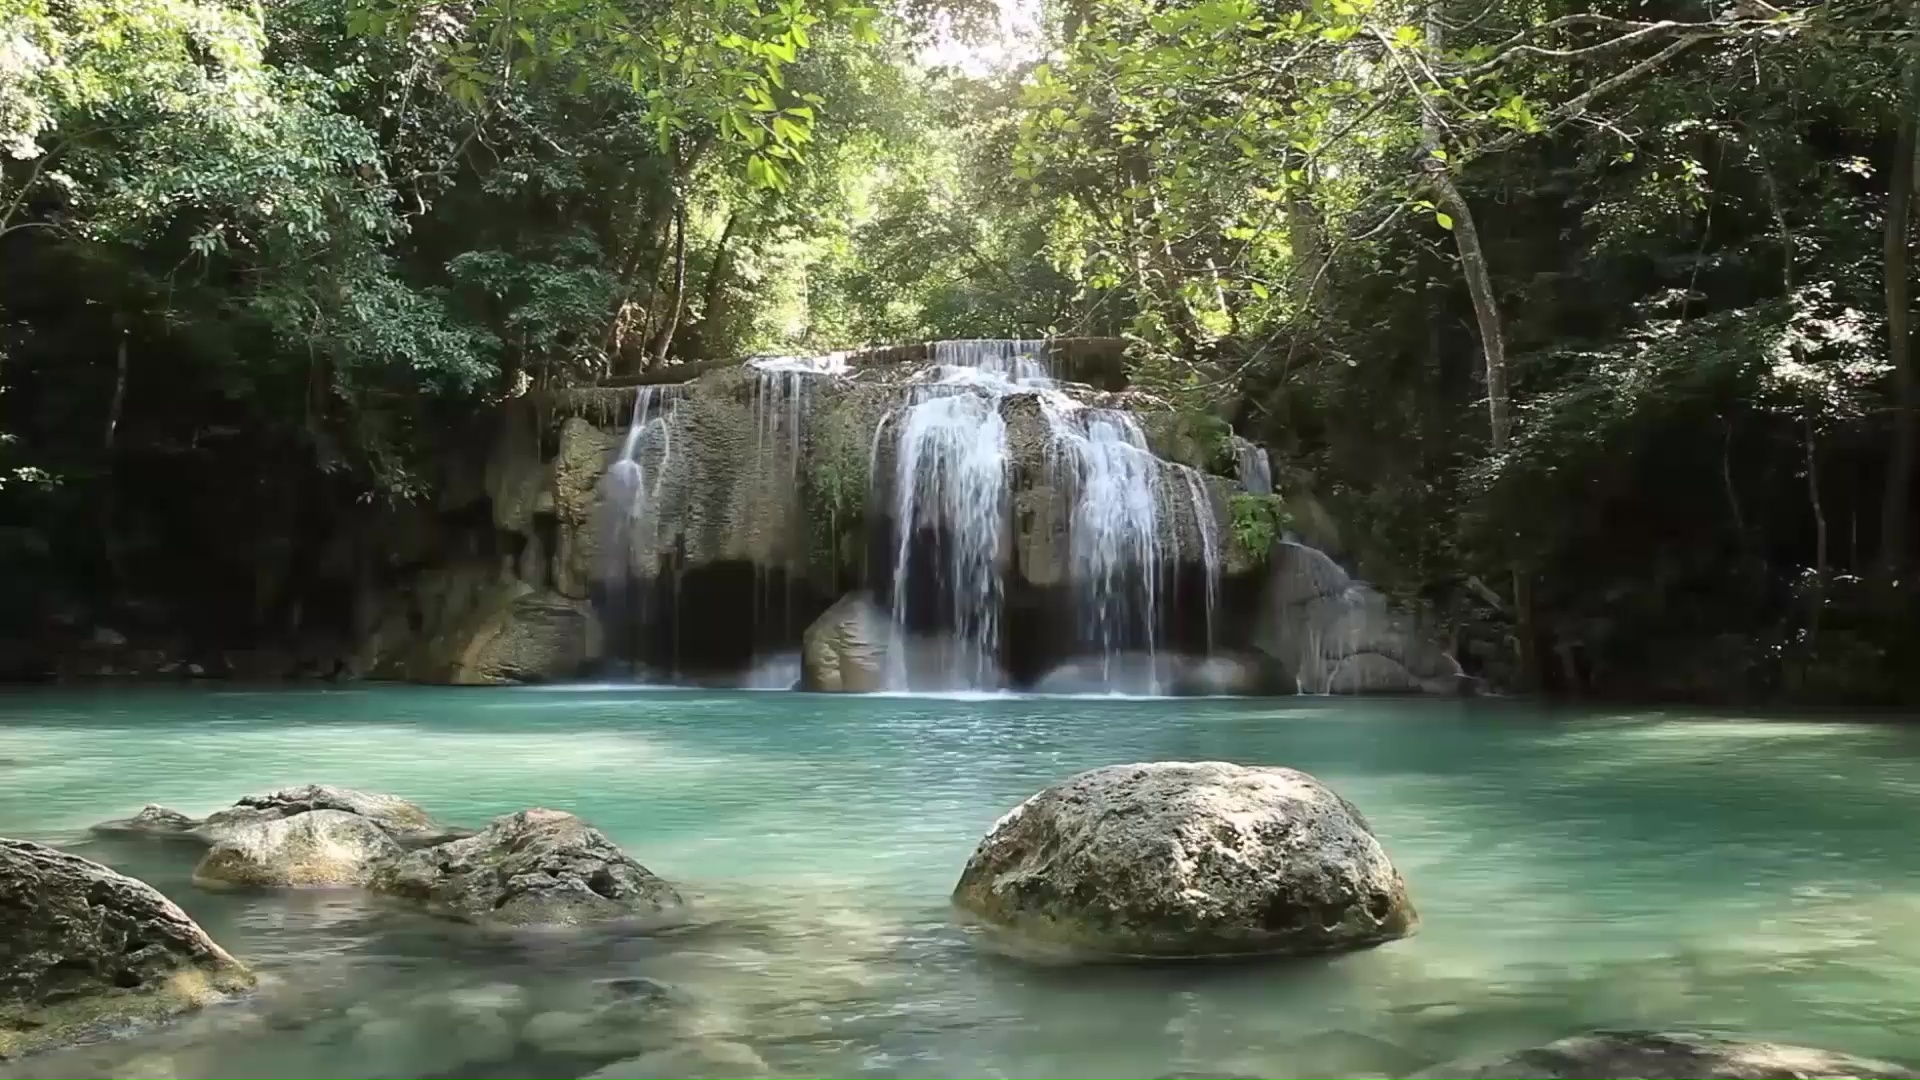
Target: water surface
[(1572, 869)]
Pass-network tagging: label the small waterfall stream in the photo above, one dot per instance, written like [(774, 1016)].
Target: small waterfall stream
[(782, 401)]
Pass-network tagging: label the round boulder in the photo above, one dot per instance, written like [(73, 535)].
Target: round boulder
[(1674, 1055), (85, 951), (1180, 859), (320, 848), (536, 867)]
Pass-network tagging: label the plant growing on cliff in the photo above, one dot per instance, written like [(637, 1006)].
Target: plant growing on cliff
[(1258, 521)]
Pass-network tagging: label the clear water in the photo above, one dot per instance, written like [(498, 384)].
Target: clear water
[(1573, 870)]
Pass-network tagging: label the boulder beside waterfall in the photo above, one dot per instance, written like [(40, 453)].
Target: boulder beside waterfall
[(1184, 860), (85, 952), (1341, 636), (1672, 1055), (845, 650)]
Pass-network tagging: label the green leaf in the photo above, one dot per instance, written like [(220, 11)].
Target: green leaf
[(1445, 219)]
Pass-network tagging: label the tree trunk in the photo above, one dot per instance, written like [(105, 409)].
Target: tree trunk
[(1493, 336), (677, 298), (1817, 599), (110, 496), (713, 294), (1897, 504)]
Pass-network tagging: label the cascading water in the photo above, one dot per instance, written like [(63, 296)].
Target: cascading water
[(1253, 468), (950, 507), (1208, 525), (632, 482), (1114, 531), (782, 396), (630, 524)]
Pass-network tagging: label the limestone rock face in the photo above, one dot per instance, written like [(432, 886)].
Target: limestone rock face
[(405, 822), (1671, 1056), (1342, 637), (845, 650), (84, 950), (532, 868), (320, 848), (1185, 859)]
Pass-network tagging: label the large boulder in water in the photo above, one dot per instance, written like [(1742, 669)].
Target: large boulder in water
[(320, 848), (531, 868), (1341, 636), (1185, 859), (845, 650), (1651, 1055), (85, 951)]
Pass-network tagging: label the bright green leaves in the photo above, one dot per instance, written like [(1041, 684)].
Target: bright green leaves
[(703, 67)]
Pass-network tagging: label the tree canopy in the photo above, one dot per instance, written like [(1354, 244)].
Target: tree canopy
[(1583, 325)]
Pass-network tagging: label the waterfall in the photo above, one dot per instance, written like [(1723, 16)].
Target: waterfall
[(1204, 520), (1252, 467), (633, 481), (1114, 530), (782, 398), (629, 528), (950, 491)]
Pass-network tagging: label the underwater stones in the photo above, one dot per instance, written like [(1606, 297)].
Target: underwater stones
[(704, 1059), (405, 822), (85, 951), (320, 848), (1652, 1055), (536, 867), (1185, 860), (845, 650), (152, 820)]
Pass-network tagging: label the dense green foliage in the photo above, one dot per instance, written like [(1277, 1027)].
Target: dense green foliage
[(264, 269)]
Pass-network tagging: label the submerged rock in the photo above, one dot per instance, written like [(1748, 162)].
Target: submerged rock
[(319, 848), (531, 868), (706, 1059), (845, 650), (1185, 859), (152, 820), (85, 951), (405, 822), (1651, 1055)]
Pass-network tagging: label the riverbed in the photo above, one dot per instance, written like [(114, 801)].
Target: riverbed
[(1573, 869)]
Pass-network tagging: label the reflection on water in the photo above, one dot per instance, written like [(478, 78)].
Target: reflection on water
[(1572, 871)]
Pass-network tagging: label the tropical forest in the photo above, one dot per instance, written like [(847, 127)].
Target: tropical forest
[(1091, 447)]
